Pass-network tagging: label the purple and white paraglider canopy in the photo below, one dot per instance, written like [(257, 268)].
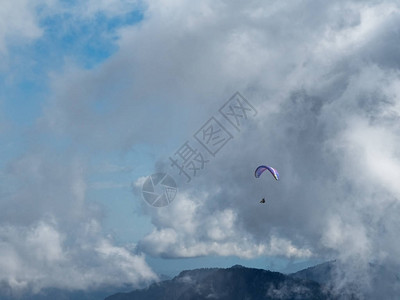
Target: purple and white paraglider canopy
[(261, 169)]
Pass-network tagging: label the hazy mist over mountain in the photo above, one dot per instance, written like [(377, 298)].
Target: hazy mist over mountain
[(324, 281)]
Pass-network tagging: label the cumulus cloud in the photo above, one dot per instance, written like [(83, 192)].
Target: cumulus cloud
[(309, 76), (50, 236), (42, 255), (326, 89), (188, 229)]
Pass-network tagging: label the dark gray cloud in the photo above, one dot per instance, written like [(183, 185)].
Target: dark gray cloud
[(327, 95)]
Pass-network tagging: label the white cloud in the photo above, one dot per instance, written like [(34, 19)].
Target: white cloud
[(42, 255), (374, 155), (364, 22), (138, 183), (307, 74), (18, 22), (326, 89), (189, 229), (325, 86), (51, 237)]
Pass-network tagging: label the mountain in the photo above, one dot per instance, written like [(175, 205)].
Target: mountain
[(323, 273), (368, 283), (235, 283)]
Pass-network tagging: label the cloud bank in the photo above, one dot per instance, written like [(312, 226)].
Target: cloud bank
[(326, 89)]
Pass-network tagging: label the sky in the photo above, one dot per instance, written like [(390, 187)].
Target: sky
[(98, 95)]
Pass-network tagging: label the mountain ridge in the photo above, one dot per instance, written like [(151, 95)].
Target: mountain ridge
[(235, 283)]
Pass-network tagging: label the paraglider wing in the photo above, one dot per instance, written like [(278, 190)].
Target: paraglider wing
[(261, 170)]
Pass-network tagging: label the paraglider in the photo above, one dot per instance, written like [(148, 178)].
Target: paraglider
[(261, 169)]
